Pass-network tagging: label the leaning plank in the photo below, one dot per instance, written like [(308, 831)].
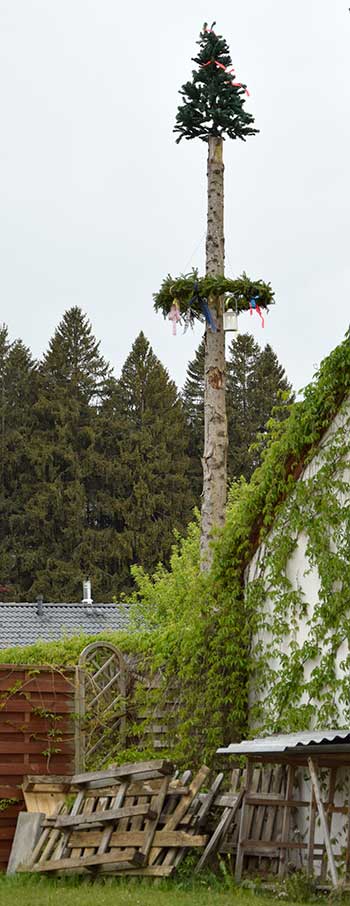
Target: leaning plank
[(157, 803), (113, 814), (220, 831), (323, 820), (208, 800), (28, 831), (126, 857), (181, 808)]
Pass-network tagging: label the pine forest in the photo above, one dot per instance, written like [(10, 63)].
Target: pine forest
[(99, 473)]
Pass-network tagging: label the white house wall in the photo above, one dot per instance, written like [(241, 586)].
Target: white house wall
[(300, 572)]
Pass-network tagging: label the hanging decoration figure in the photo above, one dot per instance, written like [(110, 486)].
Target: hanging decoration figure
[(174, 315)]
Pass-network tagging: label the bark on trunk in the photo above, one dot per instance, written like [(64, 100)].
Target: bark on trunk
[(215, 423)]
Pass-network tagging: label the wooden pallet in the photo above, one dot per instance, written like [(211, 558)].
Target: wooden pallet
[(130, 819)]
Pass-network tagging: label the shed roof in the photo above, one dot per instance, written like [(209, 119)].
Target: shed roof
[(295, 746), (24, 624)]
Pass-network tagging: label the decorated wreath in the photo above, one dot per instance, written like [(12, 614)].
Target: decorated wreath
[(186, 297)]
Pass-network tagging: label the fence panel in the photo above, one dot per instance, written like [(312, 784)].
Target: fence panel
[(37, 735)]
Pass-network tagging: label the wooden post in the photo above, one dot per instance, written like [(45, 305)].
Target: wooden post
[(79, 731)]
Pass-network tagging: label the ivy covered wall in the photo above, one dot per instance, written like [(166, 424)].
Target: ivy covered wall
[(298, 592)]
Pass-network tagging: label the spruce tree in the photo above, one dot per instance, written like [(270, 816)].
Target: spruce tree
[(193, 401), (155, 496), (257, 388), (212, 109), (18, 387), (255, 384), (73, 380)]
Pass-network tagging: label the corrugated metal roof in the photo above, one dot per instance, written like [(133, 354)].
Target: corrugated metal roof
[(286, 741), (21, 624)]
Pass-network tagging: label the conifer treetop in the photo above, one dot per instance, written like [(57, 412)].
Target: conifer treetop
[(213, 102)]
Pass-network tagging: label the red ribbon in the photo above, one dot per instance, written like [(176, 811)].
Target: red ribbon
[(220, 65), (229, 72), (239, 85), (258, 311)]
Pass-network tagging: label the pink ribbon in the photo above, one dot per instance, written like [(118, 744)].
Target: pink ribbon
[(174, 316)]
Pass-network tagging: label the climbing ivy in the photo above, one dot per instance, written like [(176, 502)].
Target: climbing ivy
[(298, 637)]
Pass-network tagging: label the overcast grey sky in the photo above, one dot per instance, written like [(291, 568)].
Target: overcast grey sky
[(98, 203)]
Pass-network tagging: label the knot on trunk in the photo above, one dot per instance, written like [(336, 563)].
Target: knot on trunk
[(216, 378)]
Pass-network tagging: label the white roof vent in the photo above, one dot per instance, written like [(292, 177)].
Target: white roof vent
[(87, 599)]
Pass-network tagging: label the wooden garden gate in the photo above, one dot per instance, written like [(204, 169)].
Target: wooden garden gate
[(102, 680)]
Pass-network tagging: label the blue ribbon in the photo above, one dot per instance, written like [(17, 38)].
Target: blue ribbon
[(204, 306), (208, 315)]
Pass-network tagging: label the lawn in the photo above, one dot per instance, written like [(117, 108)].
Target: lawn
[(29, 891)]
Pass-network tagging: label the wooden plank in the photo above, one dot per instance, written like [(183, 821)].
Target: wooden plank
[(286, 820), (331, 792), (154, 871), (324, 825), (28, 831), (80, 820), (76, 808), (87, 809), (116, 803), (181, 808), (156, 805), (243, 825), (43, 802), (220, 832), (45, 843), (44, 783), (225, 800), (277, 801), (260, 811), (311, 834), (273, 826), (125, 770), (261, 845), (208, 800), (136, 838), (127, 858)]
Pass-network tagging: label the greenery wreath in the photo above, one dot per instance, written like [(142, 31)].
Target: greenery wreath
[(189, 291)]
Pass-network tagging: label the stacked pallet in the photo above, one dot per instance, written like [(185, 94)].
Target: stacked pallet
[(135, 819)]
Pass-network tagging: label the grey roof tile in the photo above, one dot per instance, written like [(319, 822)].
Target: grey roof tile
[(20, 624)]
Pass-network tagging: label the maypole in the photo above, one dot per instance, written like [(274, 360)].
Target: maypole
[(212, 109)]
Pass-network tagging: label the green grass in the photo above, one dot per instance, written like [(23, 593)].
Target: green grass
[(34, 891)]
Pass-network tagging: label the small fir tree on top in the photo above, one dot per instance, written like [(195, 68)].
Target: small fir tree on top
[(213, 102)]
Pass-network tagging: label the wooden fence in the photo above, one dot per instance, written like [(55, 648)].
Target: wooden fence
[(37, 735)]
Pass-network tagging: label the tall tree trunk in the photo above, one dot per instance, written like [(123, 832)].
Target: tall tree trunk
[(215, 422)]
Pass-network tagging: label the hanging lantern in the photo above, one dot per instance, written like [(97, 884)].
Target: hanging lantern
[(230, 321)]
